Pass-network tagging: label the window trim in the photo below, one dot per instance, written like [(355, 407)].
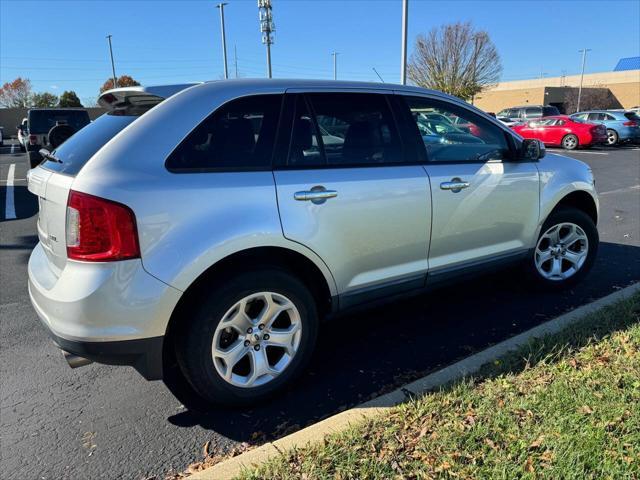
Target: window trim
[(510, 138), (282, 164), (265, 168)]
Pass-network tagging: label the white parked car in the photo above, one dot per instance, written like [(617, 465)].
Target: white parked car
[(214, 226)]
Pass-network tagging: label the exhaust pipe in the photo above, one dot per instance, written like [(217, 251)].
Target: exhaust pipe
[(75, 361)]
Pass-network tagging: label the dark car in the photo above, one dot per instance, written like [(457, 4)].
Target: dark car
[(528, 112), (49, 127)]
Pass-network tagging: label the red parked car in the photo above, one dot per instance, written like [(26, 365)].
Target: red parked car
[(564, 131)]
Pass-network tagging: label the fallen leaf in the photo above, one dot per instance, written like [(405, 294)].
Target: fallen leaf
[(537, 442)]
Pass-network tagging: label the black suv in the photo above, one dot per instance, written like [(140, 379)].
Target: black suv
[(527, 112), (49, 127)]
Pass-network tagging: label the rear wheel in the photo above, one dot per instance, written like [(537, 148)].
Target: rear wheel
[(565, 250), (570, 142), (612, 137), (249, 338)]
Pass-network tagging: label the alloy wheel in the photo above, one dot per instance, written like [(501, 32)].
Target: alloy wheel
[(570, 142), (561, 251), (257, 339), (612, 138)]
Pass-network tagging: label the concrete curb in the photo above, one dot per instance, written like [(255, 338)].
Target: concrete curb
[(230, 468)]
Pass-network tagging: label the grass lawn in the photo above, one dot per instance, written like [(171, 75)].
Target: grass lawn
[(565, 407)]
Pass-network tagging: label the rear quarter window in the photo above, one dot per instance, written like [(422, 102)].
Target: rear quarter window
[(238, 136)]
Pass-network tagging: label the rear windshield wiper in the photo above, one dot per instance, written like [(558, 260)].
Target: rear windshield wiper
[(49, 156)]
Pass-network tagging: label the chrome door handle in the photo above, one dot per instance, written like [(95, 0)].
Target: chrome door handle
[(455, 185), (316, 196)]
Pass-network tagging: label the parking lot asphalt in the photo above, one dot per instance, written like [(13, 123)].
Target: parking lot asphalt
[(101, 421)]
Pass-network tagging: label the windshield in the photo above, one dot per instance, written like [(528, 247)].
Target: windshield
[(41, 121), (78, 149)]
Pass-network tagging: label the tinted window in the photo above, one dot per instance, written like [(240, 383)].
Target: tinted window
[(346, 129), (549, 111), (609, 117), (632, 116), (41, 121), (596, 116), (78, 149), (533, 112), (469, 137), (239, 135)]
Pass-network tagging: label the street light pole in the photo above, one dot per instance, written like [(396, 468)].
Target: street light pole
[(113, 68), (403, 54), (224, 39), (335, 65), (584, 60)]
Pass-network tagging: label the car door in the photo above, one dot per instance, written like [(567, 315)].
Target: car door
[(346, 190), (485, 203)]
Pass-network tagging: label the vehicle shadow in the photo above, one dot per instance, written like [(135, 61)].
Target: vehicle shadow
[(25, 204), (362, 356)]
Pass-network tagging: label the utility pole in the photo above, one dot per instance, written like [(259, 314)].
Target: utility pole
[(267, 27), (584, 59), (403, 53), (113, 68), (224, 39), (381, 79), (475, 66), (235, 59), (335, 65)]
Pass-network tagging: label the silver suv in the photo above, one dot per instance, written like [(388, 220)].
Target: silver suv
[(211, 227)]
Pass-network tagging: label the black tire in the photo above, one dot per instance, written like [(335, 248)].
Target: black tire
[(570, 142), (35, 158), (564, 215), (194, 344), (612, 137), (59, 133), (22, 148)]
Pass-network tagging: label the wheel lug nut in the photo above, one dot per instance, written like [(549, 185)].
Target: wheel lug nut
[(246, 343), (256, 348), (261, 327), (266, 336), (249, 330)]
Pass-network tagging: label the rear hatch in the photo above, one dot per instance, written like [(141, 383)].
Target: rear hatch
[(52, 180)]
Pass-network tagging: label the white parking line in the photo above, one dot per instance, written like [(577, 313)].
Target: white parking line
[(10, 208), (621, 190)]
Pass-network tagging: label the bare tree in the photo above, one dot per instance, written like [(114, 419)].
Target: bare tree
[(16, 94), (592, 98), (455, 59)]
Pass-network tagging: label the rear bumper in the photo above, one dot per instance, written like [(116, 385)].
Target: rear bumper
[(145, 354), (113, 313)]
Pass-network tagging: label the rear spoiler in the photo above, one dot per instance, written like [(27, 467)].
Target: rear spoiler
[(138, 97)]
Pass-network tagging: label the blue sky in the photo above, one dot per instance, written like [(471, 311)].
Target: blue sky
[(61, 45)]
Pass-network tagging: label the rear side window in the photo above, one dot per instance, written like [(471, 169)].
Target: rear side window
[(342, 130), (41, 121), (451, 133), (238, 136), (632, 116), (533, 112), (549, 111), (79, 148)]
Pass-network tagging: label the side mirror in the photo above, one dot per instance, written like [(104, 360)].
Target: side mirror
[(532, 149)]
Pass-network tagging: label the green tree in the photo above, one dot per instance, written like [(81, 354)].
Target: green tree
[(69, 99), (44, 100), (455, 59), (15, 94), (123, 81)]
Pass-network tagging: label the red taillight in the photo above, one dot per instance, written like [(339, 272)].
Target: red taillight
[(33, 140), (100, 230), (630, 123)]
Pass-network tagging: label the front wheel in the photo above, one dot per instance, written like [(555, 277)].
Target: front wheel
[(612, 137), (250, 337), (570, 142), (565, 250)]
